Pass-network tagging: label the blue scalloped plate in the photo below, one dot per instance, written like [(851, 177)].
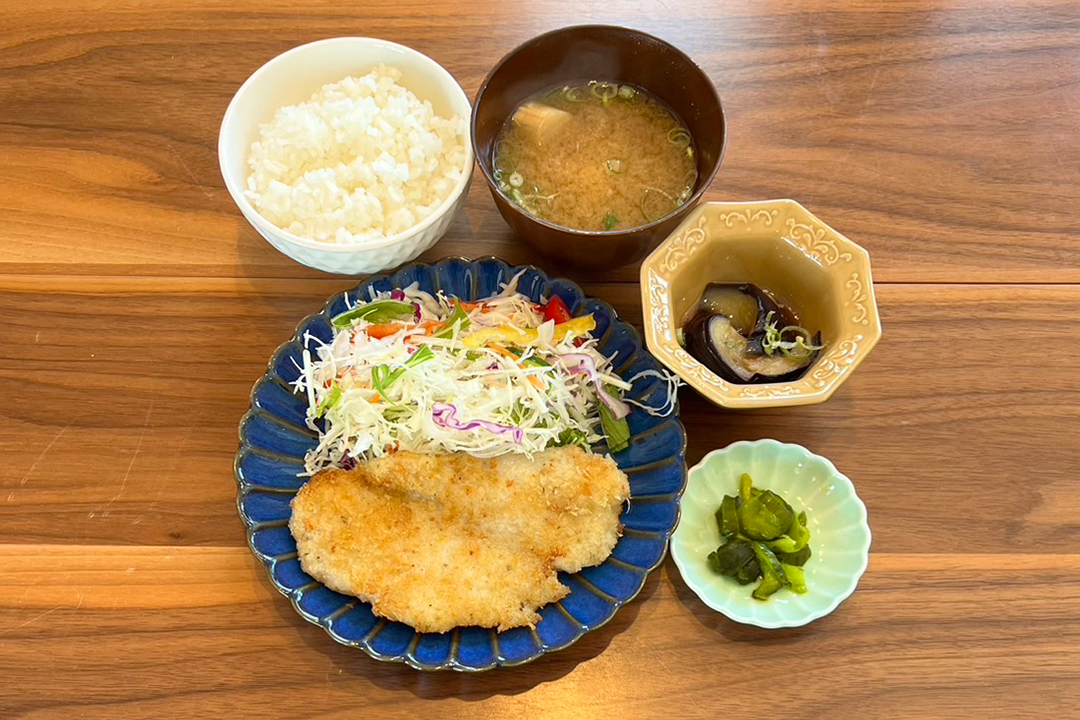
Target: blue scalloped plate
[(274, 438)]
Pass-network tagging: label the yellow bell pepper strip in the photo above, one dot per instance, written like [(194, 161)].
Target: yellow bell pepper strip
[(509, 336), (501, 334), (577, 327)]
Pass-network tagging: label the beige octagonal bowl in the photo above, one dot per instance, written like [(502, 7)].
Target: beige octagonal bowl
[(779, 246)]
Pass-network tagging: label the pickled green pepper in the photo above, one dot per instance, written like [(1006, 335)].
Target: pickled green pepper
[(762, 538)]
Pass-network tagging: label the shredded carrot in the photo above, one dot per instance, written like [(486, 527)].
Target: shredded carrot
[(381, 331), (376, 398), (501, 350), (533, 380)]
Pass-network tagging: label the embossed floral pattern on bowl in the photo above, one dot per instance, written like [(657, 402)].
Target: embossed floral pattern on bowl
[(780, 246)]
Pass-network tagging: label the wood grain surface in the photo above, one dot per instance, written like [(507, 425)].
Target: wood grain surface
[(137, 308)]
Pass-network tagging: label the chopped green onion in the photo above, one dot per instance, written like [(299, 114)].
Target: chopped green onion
[(503, 164), (616, 166), (678, 136), (691, 180), (605, 91), (610, 221), (535, 196), (644, 198), (574, 94), (329, 400), (380, 311), (516, 180), (800, 348), (627, 93)]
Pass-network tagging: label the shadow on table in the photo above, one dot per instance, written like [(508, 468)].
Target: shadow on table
[(470, 687), (731, 630)]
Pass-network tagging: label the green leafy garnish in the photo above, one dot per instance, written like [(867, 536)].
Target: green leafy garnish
[(518, 414), (329, 400), (459, 317), (610, 221), (380, 311), (533, 361), (617, 431), (383, 376), (570, 436)]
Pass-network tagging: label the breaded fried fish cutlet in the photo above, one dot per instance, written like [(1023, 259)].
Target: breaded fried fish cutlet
[(441, 541)]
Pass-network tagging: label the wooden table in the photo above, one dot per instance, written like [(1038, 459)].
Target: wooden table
[(138, 307)]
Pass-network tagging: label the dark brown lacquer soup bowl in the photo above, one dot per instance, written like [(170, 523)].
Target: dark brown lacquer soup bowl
[(615, 54)]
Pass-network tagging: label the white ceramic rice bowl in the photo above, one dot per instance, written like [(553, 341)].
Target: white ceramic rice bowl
[(291, 78)]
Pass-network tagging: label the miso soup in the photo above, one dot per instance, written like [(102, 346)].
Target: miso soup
[(596, 156)]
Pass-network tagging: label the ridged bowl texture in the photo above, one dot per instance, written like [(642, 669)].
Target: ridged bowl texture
[(840, 535), (274, 439)]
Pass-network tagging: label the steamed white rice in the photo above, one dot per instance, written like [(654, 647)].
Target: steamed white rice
[(364, 158)]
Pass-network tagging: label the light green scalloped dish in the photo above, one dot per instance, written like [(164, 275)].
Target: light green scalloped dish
[(840, 535)]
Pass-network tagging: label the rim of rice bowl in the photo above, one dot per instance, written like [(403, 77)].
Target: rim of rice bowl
[(256, 218)]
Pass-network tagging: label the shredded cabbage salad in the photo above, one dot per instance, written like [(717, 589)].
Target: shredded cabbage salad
[(432, 374)]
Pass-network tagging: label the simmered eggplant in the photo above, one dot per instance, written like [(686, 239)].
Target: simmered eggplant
[(746, 305), (742, 308), (743, 336), (714, 341)]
